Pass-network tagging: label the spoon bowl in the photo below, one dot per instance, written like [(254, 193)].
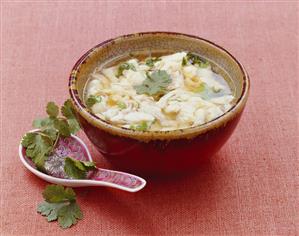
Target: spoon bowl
[(74, 147)]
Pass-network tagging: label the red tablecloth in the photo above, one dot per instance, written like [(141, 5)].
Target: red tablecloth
[(250, 185)]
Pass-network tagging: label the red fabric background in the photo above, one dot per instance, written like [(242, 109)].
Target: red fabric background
[(250, 187)]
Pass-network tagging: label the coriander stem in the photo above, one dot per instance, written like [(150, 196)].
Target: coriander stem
[(56, 141), (44, 135)]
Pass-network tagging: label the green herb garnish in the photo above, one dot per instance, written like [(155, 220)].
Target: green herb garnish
[(154, 84), (151, 61), (125, 66), (92, 99), (77, 169), (143, 126), (121, 105), (40, 144), (184, 61), (204, 91), (195, 59), (38, 147), (201, 88), (60, 204), (52, 109)]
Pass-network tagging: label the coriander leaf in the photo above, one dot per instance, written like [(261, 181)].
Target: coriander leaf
[(68, 215), (52, 109), (51, 133), (28, 139), (141, 127), (77, 169), (125, 66), (50, 210), (57, 193), (60, 204), (73, 125), (79, 166), (90, 165), (184, 61), (204, 91), (201, 88), (63, 127), (121, 105), (204, 64), (68, 111), (39, 161), (151, 61), (195, 59), (37, 147), (154, 84), (42, 123), (92, 99), (38, 123)]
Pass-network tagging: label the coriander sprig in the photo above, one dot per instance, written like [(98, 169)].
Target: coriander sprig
[(60, 204), (143, 126), (92, 99), (155, 84), (124, 66), (195, 60), (41, 143), (151, 61)]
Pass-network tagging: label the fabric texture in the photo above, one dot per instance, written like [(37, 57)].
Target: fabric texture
[(249, 188)]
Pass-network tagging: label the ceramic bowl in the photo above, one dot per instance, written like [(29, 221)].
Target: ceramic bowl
[(158, 152)]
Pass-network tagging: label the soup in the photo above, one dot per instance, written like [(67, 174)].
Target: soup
[(158, 93)]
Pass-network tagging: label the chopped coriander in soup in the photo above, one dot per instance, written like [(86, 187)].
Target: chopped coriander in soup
[(167, 92)]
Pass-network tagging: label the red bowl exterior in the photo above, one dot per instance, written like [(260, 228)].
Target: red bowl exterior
[(158, 157)]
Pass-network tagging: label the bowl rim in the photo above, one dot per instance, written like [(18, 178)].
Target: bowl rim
[(146, 136)]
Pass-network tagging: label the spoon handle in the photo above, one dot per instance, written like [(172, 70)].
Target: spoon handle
[(118, 180)]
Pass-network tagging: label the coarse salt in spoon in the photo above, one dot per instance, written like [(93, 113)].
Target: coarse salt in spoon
[(75, 148)]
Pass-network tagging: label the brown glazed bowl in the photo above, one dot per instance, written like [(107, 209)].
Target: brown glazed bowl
[(158, 152)]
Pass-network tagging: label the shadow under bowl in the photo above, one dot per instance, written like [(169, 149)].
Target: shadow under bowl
[(158, 152)]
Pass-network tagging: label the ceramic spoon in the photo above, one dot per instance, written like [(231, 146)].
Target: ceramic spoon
[(74, 147)]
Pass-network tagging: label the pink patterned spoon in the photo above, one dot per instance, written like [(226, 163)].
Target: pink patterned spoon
[(74, 147)]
